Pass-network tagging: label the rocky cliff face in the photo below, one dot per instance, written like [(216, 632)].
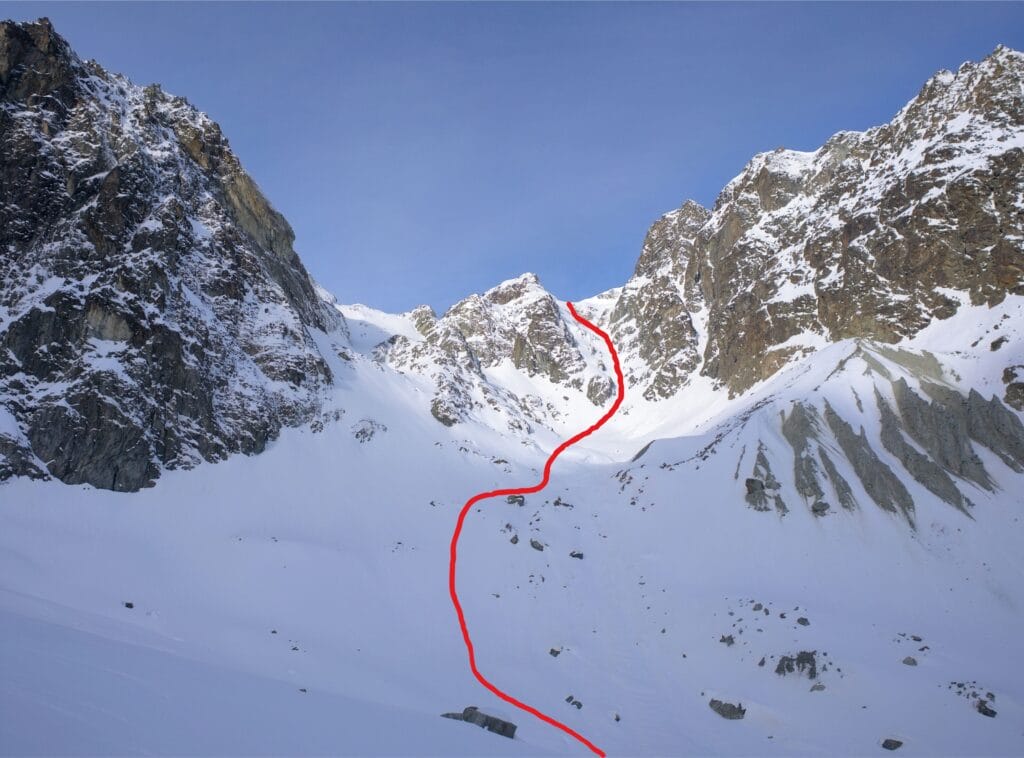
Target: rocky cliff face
[(871, 236), (152, 310), (653, 317)]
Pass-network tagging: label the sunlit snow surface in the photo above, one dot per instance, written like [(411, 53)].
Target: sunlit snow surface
[(341, 548)]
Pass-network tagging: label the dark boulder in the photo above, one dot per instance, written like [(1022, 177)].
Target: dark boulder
[(491, 723), (984, 709), (728, 710)]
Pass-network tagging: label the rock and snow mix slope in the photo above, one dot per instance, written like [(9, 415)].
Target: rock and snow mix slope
[(825, 379)]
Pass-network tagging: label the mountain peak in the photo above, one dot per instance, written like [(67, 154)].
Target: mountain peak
[(691, 213), (514, 289), (35, 61), (40, 32), (1004, 53)]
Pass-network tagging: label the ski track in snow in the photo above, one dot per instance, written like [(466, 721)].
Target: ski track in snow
[(526, 491)]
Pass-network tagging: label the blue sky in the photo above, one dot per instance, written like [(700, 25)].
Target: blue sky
[(426, 151)]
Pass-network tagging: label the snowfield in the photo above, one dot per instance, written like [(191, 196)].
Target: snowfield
[(321, 565)]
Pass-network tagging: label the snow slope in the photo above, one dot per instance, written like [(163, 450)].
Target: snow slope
[(340, 547)]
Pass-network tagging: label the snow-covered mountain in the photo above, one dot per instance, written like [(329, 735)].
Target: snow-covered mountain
[(809, 504)]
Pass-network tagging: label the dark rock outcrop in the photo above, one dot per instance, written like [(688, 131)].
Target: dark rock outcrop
[(920, 466), (762, 486), (988, 422), (878, 479), (799, 428), (803, 662), (942, 430), (1013, 378), (842, 487)]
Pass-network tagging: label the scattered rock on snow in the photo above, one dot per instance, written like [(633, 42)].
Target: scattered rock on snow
[(536, 545), (910, 661), (515, 500), (802, 621), (366, 429), (891, 744)]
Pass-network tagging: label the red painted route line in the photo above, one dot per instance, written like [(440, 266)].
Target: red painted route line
[(526, 491)]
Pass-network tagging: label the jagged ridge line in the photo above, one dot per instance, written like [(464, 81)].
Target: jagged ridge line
[(526, 491)]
